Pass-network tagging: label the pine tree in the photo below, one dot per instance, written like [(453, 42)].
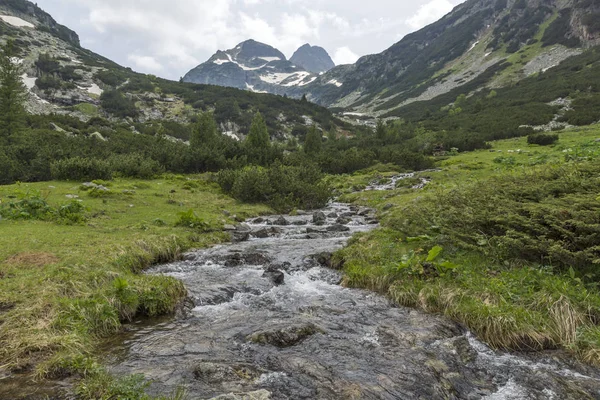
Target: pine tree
[(258, 141), (205, 132), (13, 94), (380, 132), (258, 137), (314, 142)]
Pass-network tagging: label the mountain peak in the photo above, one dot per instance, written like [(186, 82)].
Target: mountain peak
[(314, 59)]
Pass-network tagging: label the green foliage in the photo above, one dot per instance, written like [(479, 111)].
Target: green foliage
[(134, 165), (313, 144), (116, 103), (547, 216), (542, 139), (81, 169), (284, 187), (258, 141), (32, 206), (13, 94), (189, 219), (555, 33), (206, 131)]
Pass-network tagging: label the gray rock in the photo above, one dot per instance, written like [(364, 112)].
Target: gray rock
[(229, 228), (319, 218), (266, 232), (286, 336), (281, 221), (337, 228), (239, 236), (343, 220), (258, 395), (333, 215), (300, 223), (258, 221), (274, 274), (313, 230), (388, 206)]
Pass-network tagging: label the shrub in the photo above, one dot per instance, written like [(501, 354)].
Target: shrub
[(543, 139), (115, 102), (79, 169), (189, 219), (135, 165), (34, 207), (283, 187)]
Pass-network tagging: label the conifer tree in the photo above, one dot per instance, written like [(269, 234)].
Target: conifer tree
[(13, 94), (258, 141), (205, 132), (314, 141)]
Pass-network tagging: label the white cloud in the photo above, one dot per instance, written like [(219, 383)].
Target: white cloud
[(344, 55), (180, 34), (429, 13), (145, 63)]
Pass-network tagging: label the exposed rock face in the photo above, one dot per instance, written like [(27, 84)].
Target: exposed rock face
[(314, 59), (253, 66)]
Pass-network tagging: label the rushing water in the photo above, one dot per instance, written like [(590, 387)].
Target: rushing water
[(247, 335), (309, 338)]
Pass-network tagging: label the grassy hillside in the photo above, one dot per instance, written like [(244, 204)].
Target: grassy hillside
[(504, 241), (68, 281)]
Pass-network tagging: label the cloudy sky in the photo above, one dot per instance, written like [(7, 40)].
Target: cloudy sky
[(169, 37)]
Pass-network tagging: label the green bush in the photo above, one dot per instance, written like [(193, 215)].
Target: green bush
[(543, 139), (80, 169), (549, 216), (283, 187), (35, 207), (116, 103), (134, 165), (189, 219)]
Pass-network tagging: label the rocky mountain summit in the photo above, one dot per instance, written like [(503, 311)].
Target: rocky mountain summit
[(258, 67), (517, 38), (314, 59)]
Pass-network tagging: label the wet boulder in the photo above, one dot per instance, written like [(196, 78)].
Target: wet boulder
[(319, 218), (266, 232), (273, 273), (332, 215), (239, 236), (286, 336), (338, 228), (281, 221), (313, 230), (259, 221), (258, 395), (211, 373), (301, 222), (237, 259), (343, 220)]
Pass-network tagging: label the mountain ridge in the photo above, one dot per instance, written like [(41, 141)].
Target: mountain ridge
[(261, 68)]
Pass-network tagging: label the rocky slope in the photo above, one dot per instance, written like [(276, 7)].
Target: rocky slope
[(261, 68), (65, 79), (314, 59), (477, 35)]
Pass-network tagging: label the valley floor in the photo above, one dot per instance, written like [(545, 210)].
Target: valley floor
[(501, 240), (64, 286)]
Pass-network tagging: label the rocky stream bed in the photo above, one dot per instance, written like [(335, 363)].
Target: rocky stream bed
[(267, 319)]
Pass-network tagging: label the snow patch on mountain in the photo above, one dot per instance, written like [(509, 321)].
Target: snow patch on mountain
[(16, 21)]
